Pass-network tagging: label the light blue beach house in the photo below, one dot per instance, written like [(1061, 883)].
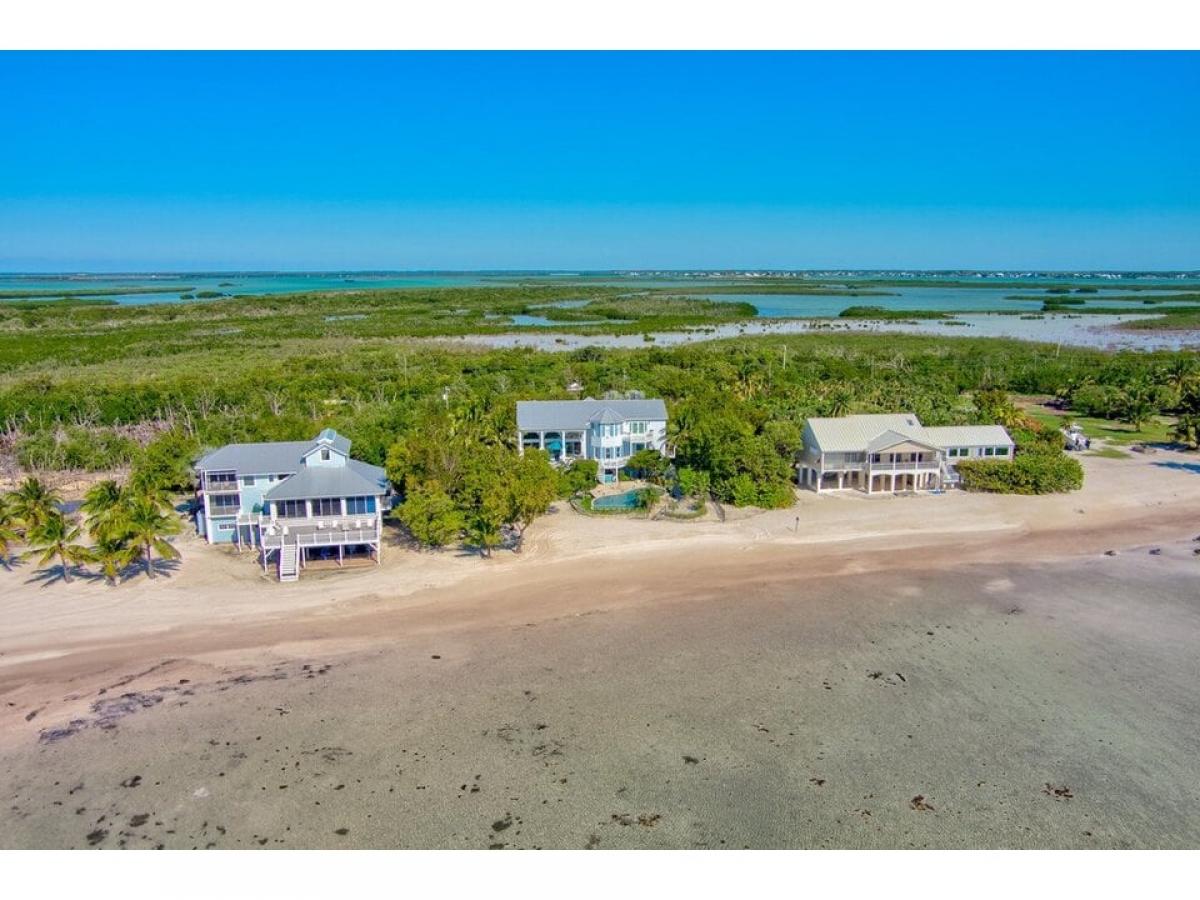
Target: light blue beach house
[(294, 501), (608, 431)]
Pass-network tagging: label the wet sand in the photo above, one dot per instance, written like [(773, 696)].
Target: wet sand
[(1043, 705), (864, 682)]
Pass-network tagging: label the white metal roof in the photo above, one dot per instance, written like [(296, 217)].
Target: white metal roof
[(878, 431), (851, 434), (969, 436)]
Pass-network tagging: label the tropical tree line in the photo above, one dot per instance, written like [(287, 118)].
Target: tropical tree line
[(123, 525)]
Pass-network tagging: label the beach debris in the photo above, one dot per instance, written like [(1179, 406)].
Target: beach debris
[(920, 804), (690, 760), (341, 832), (1110, 552), (593, 842), (817, 781), (503, 824), (1156, 551), (132, 782), (646, 820), (1058, 793), (97, 836)]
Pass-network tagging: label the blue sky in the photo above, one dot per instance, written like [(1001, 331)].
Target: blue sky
[(482, 160)]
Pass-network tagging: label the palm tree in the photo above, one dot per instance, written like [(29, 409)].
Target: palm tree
[(1187, 429), (113, 555), (8, 529), (34, 503), (104, 505), (147, 528), (56, 537)]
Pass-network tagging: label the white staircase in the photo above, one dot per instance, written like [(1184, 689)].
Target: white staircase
[(289, 562)]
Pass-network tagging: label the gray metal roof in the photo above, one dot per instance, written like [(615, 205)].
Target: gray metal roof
[(257, 459), (355, 479), (338, 442), (555, 415), (275, 457)]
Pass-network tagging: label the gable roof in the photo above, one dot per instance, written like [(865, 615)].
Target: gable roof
[(851, 434), (338, 442), (555, 415), (355, 479), (891, 438), (273, 457)]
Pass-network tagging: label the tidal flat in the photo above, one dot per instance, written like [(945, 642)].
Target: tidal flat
[(993, 705)]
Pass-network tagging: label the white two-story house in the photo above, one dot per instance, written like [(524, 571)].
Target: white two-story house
[(892, 452), (608, 431), (292, 500)]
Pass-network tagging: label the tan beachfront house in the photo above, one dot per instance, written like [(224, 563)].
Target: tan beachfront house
[(890, 452)]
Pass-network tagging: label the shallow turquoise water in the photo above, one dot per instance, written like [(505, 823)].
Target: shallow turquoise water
[(936, 299), (628, 500)]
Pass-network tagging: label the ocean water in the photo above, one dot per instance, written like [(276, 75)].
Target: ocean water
[(167, 287), (935, 299)]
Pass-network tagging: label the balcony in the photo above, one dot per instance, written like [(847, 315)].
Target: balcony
[(928, 465), (330, 533)]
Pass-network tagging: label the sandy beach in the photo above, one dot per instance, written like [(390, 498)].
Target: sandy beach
[(940, 670)]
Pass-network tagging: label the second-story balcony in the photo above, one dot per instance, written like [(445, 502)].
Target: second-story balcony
[(320, 532), (925, 465)]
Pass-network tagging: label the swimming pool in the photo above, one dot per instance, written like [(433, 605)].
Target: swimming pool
[(627, 500)]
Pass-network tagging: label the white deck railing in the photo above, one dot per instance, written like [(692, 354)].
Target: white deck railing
[(930, 466), (311, 536)]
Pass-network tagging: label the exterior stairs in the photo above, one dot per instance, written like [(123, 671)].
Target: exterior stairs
[(289, 562)]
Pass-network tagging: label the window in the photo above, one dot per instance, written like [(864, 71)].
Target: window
[(220, 481), (327, 506), (360, 506), (1002, 451), (225, 526), (248, 481), (636, 447), (224, 504), (989, 451), (281, 477), (637, 427), (324, 454), (290, 509)]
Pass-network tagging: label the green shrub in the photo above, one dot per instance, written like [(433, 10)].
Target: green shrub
[(1028, 473), (578, 476), (692, 482)]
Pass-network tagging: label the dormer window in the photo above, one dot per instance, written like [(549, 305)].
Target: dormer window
[(324, 454)]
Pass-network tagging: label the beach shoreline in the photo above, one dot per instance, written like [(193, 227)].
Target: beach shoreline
[(632, 683)]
